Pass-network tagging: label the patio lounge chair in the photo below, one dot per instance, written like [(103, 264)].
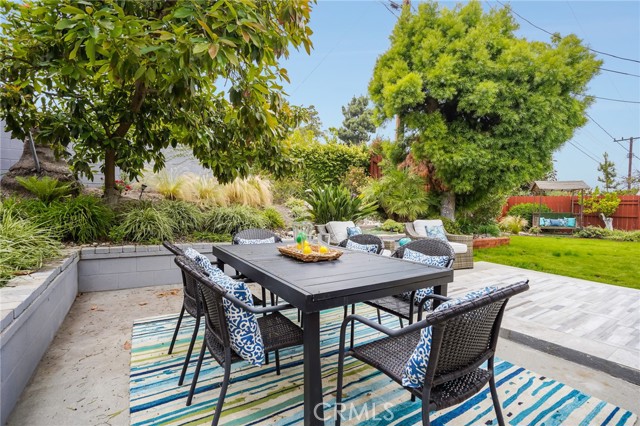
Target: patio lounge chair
[(463, 338), (462, 244), (401, 307), (276, 330)]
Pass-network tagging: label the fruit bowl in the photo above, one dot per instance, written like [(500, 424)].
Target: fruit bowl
[(314, 256)]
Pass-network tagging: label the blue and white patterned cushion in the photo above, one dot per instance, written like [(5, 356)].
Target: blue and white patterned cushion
[(257, 241), (353, 230), (369, 248), (416, 256), (416, 369), (244, 332), (436, 231)]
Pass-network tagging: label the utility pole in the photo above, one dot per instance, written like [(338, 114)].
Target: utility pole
[(630, 155)]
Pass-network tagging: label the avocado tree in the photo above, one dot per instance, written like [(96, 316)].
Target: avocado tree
[(481, 109), (118, 81)]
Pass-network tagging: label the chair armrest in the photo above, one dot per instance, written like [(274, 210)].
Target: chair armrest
[(410, 230), (253, 309), (428, 298), (465, 239), (381, 328)]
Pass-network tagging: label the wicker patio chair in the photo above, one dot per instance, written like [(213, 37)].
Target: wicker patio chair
[(463, 260), (366, 239), (405, 309), (277, 331), (464, 337), (192, 305)]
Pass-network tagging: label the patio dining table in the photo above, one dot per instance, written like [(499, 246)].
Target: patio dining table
[(312, 287)]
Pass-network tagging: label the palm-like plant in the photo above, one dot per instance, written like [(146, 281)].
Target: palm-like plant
[(328, 203)]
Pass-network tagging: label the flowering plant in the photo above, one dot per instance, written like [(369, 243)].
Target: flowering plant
[(121, 185)]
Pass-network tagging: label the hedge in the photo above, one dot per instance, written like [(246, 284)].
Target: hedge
[(328, 163)]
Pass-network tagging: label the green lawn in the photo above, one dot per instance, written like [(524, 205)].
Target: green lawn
[(610, 262)]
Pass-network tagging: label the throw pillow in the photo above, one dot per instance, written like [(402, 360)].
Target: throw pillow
[(436, 231), (244, 333), (556, 222), (369, 248), (353, 230), (415, 370), (416, 256), (544, 221), (570, 221), (420, 295), (256, 241), (202, 261)]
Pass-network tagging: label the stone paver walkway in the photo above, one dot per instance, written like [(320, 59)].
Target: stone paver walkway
[(590, 323)]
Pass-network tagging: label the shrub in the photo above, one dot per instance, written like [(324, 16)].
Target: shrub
[(144, 223), (526, 210), (513, 224), (169, 184), (618, 235), (210, 237), (484, 212), (274, 218), (391, 225), (401, 194), (24, 245), (252, 191), (607, 203), (592, 232), (356, 179), (284, 189), (492, 229), (81, 219), (330, 202), (229, 220), (185, 217), (45, 188), (207, 190), (299, 209)]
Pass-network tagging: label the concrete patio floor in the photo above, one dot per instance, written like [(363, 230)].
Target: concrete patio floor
[(84, 377)]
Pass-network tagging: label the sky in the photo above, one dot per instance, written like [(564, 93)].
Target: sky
[(350, 35)]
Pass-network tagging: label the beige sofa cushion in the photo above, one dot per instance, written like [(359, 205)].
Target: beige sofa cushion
[(458, 248), (420, 226), (338, 230)]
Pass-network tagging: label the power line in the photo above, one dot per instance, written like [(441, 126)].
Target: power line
[(609, 99), (580, 149), (620, 72), (552, 34), (387, 7), (598, 124)]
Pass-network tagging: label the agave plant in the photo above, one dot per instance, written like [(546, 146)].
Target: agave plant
[(328, 203)]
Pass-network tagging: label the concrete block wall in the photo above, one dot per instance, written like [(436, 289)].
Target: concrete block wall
[(33, 308), (121, 267), (10, 150)]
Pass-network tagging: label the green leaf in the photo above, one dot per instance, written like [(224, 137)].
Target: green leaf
[(90, 48), (64, 24), (200, 47), (183, 12), (74, 52), (148, 49), (72, 10), (140, 72)]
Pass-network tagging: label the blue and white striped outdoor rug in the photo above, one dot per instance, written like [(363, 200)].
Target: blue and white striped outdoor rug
[(256, 396)]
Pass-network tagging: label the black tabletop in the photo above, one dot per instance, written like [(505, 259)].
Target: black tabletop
[(314, 286)]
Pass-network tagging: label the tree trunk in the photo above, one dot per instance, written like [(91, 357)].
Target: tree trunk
[(51, 166), (111, 195), (448, 206), (608, 222)]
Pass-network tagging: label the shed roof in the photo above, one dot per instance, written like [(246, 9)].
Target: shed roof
[(560, 185)]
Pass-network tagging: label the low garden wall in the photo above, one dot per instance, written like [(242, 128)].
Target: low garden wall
[(34, 306), (32, 309)]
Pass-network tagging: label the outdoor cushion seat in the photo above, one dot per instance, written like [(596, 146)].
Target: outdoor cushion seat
[(462, 244), (338, 230)]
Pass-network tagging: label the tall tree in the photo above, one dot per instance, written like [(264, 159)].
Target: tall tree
[(310, 121), (357, 125), (121, 80), (609, 175), (483, 109)]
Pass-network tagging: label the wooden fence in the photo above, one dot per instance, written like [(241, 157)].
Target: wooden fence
[(627, 217)]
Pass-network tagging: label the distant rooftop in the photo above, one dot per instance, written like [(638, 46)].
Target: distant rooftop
[(560, 185)]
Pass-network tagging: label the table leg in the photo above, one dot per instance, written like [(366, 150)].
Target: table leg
[(441, 289), (313, 405)]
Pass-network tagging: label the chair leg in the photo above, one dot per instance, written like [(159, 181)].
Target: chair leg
[(401, 324), (223, 393), (194, 381), (339, 384), (196, 328), (494, 394), (175, 333), (277, 362), (379, 317), (426, 397), (353, 312), (264, 299)]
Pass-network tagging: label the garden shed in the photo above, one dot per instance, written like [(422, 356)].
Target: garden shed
[(559, 220)]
